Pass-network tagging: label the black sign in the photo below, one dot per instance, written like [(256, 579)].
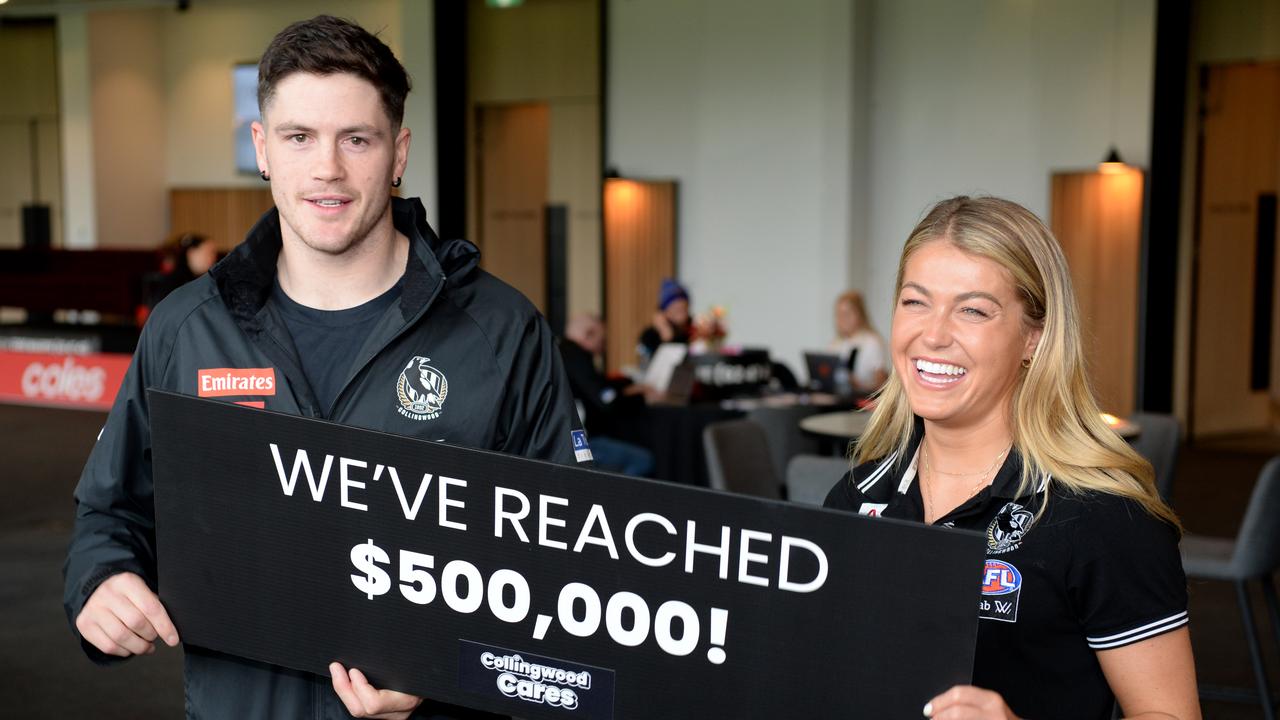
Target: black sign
[(543, 591)]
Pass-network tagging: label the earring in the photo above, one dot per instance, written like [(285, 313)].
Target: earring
[(1026, 362), (265, 177), (396, 183)]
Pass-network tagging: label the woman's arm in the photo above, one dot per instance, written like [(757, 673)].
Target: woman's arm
[(1155, 678)]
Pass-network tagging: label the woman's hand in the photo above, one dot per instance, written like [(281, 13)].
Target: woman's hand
[(365, 701), (665, 329), (966, 702)]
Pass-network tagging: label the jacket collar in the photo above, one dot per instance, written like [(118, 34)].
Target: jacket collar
[(244, 278)]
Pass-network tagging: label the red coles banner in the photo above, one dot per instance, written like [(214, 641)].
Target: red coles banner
[(78, 381)]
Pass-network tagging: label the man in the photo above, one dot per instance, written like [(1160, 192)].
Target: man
[(357, 313), (604, 403)]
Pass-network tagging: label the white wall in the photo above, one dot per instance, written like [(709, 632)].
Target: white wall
[(128, 111), (74, 102), (992, 96), (748, 105), (805, 157)]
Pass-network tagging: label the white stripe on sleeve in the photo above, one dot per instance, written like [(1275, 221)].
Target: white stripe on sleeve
[(1139, 633)]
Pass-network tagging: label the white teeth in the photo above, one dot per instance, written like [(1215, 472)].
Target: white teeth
[(934, 368), (329, 203)]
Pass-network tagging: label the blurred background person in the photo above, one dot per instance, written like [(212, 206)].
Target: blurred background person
[(672, 323), (186, 257), (860, 347), (605, 403)]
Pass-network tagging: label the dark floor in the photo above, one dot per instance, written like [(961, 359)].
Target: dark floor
[(44, 674)]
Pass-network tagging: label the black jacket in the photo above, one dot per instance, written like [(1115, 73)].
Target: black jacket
[(493, 359)]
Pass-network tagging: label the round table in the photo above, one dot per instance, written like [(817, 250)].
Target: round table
[(846, 426)]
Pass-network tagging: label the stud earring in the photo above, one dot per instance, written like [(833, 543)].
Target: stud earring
[(1026, 362)]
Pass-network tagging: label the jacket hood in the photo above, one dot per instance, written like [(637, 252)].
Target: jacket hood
[(457, 258)]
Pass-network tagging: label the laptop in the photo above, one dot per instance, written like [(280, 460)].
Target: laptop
[(822, 367)]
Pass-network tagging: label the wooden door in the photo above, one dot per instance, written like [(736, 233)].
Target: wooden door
[(1234, 322), (1097, 217), (511, 155), (639, 251)]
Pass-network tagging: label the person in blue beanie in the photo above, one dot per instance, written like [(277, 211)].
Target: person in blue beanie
[(671, 323)]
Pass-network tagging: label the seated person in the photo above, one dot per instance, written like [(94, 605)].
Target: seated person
[(858, 344), (602, 400), (671, 323)]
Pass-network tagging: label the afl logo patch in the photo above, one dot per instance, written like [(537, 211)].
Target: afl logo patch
[(1001, 592), (421, 389), (1007, 528), (1000, 578)]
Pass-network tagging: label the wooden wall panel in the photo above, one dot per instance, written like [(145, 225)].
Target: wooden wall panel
[(640, 250), (511, 146), (1097, 218), (1239, 159), (222, 214)]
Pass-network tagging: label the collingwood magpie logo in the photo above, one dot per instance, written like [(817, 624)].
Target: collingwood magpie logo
[(421, 389), (1007, 528)]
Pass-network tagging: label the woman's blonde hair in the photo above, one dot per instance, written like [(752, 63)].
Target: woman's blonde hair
[(1055, 420), (854, 298)]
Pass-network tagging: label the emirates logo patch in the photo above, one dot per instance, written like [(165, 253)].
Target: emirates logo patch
[(421, 389)]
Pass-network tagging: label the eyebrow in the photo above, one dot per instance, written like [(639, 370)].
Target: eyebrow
[(959, 298), (290, 128)]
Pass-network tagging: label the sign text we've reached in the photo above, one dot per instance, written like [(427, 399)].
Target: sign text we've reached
[(740, 555)]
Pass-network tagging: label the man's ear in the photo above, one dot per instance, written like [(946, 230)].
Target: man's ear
[(260, 146), (402, 151)]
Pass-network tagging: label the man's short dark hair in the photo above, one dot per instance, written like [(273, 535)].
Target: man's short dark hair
[(326, 45)]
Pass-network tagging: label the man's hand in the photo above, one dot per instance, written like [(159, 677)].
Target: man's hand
[(123, 617), (365, 701)]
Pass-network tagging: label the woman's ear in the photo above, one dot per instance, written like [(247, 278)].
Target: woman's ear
[(1032, 346)]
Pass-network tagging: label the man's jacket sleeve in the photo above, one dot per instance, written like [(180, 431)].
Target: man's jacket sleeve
[(538, 407), (115, 519)]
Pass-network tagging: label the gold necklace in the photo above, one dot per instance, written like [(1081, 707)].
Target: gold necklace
[(982, 476)]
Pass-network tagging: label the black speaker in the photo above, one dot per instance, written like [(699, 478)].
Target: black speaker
[(557, 230), (36, 233)]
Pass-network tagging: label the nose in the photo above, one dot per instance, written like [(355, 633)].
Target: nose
[(327, 166), (937, 329)]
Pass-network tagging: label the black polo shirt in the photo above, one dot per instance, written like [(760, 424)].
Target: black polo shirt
[(1094, 572)]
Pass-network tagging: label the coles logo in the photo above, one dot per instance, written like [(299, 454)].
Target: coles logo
[(89, 381), (66, 380), (223, 382), (1000, 578)]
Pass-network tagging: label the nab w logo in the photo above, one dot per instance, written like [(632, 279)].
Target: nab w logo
[(1000, 578)]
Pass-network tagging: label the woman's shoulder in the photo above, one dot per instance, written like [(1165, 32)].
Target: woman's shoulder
[(863, 483), (1104, 518)]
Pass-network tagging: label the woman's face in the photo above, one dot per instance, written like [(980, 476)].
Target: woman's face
[(959, 337), (677, 311), (848, 320)]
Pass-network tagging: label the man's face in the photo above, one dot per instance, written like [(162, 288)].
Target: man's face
[(331, 153)]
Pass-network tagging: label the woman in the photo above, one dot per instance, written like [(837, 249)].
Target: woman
[(671, 323), (988, 423), (858, 344)]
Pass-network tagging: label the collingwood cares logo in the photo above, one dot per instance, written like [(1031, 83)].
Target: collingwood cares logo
[(421, 390)]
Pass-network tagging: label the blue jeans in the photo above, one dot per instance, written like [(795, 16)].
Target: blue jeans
[(623, 457)]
